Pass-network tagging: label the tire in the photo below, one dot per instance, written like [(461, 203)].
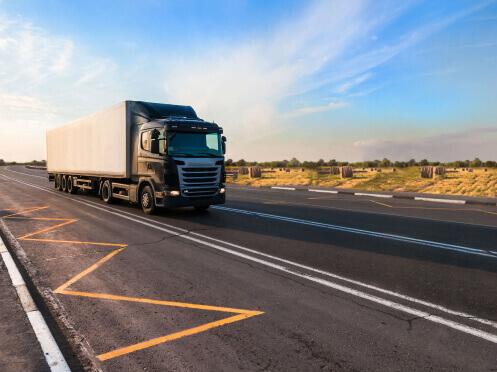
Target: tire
[(71, 189), (202, 207), (64, 183), (147, 200), (57, 182), (107, 192)]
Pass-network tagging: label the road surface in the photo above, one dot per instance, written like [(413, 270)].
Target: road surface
[(273, 280)]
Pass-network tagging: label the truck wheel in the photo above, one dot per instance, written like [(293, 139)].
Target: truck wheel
[(71, 189), (107, 192), (57, 182), (202, 207), (64, 183), (147, 200)]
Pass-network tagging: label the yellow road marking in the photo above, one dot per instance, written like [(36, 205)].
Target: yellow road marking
[(174, 336), (377, 202), (157, 302), (241, 314), (88, 270)]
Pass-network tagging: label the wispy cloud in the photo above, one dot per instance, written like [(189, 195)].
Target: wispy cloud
[(351, 83), (311, 110), (466, 144)]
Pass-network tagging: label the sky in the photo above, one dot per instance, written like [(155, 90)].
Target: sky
[(348, 80)]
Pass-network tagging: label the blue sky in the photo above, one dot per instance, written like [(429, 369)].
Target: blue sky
[(350, 80)]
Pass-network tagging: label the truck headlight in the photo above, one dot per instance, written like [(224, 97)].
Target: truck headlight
[(174, 193), (222, 190)]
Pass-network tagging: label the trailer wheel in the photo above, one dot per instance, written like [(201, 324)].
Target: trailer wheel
[(147, 200), (57, 182), (107, 192), (202, 207), (64, 183), (71, 189)]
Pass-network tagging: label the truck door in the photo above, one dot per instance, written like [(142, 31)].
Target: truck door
[(149, 164)]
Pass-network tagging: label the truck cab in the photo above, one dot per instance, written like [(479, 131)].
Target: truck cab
[(177, 158)]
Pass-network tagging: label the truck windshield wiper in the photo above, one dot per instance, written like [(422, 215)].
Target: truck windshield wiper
[(210, 155)]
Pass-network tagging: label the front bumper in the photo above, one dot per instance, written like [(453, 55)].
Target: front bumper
[(181, 201)]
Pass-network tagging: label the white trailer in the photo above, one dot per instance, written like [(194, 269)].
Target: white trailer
[(96, 145)]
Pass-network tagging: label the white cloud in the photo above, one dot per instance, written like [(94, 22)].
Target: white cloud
[(466, 144), (311, 110), (351, 83), (24, 103)]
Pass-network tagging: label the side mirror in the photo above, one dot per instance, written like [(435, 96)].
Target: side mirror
[(223, 144), (154, 143)]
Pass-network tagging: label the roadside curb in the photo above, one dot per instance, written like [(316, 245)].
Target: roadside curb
[(51, 350), (383, 196), (44, 299)]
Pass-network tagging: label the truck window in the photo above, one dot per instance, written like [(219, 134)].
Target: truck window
[(146, 141)]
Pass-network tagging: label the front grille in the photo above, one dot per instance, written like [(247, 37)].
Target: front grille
[(196, 182)]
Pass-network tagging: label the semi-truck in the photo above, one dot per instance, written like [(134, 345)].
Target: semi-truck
[(158, 155)]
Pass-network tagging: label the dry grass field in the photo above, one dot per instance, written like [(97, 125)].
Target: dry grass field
[(476, 183)]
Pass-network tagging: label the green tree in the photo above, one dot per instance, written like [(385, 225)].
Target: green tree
[(294, 162), (2, 162), (424, 163)]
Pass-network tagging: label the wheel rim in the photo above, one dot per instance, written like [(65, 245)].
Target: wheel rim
[(146, 200), (69, 184)]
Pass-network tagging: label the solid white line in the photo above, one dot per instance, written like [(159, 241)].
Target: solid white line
[(373, 195), (401, 238), (25, 174), (418, 313), (368, 212), (283, 188), (54, 357), (324, 191), (50, 349), (449, 201)]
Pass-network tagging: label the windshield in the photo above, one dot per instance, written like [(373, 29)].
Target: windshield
[(194, 144)]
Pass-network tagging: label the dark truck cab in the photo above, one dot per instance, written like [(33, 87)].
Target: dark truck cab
[(180, 154)]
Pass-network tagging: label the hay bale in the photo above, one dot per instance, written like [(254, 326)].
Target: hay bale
[(302, 169), (346, 172), (470, 170), (287, 170), (378, 170), (335, 170), (440, 171), (394, 170), (427, 172), (255, 172), (244, 170)]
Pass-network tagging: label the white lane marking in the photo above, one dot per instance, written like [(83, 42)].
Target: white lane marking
[(436, 319), (448, 201), (283, 188), (401, 238), (25, 174), (54, 357), (367, 212), (373, 195), (323, 191), (49, 346)]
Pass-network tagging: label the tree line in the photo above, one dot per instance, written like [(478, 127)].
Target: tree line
[(385, 163), (33, 162)]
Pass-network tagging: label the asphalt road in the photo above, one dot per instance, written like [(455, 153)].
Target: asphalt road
[(272, 280)]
